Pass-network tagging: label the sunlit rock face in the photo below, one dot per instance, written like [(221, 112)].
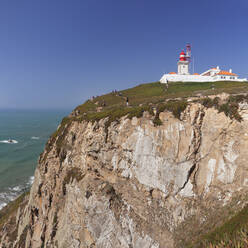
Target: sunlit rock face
[(136, 184)]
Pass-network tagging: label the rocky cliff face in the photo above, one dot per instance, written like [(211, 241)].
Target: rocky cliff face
[(136, 185)]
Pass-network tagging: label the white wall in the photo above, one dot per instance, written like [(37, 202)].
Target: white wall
[(196, 78), (185, 78), (183, 68), (223, 77)]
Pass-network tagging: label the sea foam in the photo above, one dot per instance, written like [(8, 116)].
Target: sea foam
[(9, 142), (2, 204), (12, 193)]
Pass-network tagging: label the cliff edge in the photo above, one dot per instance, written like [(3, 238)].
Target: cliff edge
[(153, 177)]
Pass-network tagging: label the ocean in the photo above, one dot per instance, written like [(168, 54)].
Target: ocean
[(29, 130)]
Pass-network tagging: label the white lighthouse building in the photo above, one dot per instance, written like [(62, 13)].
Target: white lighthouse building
[(183, 64), (211, 75)]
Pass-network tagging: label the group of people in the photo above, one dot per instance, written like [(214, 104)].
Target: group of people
[(117, 93)]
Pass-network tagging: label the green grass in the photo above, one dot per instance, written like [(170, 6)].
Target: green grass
[(196, 86), (141, 94), (233, 233), (151, 94), (207, 88), (157, 92)]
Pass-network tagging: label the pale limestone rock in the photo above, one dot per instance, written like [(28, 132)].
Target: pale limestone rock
[(137, 185)]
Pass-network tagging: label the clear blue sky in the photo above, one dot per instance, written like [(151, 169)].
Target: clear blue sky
[(58, 53)]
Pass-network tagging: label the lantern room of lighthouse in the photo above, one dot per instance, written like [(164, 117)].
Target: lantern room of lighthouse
[(183, 64)]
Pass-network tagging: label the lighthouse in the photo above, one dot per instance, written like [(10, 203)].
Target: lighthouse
[(183, 72), (183, 64)]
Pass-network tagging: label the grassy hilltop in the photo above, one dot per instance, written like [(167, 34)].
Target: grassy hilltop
[(156, 92), (146, 97)]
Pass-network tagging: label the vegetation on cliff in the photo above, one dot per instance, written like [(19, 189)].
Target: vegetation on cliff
[(146, 97), (232, 234), (8, 214), (11, 208), (230, 107), (154, 98)]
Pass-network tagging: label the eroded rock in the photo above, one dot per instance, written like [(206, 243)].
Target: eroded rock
[(146, 186)]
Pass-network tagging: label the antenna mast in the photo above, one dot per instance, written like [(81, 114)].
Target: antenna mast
[(188, 52)]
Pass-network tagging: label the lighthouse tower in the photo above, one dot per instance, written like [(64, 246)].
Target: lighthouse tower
[(183, 64)]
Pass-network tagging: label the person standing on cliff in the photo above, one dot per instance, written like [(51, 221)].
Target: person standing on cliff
[(127, 101)]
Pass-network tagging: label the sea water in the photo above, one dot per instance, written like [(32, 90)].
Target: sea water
[(29, 131)]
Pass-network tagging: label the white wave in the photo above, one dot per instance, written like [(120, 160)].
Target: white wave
[(7, 197), (13, 192), (10, 195), (31, 180), (9, 141), (17, 188), (35, 137), (2, 205)]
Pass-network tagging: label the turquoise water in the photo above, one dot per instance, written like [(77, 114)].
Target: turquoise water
[(31, 130)]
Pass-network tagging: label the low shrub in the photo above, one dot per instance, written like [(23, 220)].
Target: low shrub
[(231, 110), (176, 107), (157, 121), (209, 103)]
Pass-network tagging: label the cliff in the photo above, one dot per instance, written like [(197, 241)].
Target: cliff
[(134, 182)]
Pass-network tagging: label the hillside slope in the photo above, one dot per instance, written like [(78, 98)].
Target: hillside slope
[(158, 173)]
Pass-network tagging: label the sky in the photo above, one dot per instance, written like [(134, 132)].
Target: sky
[(59, 53)]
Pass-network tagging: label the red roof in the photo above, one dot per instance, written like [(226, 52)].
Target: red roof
[(172, 73), (196, 74), (226, 73)]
